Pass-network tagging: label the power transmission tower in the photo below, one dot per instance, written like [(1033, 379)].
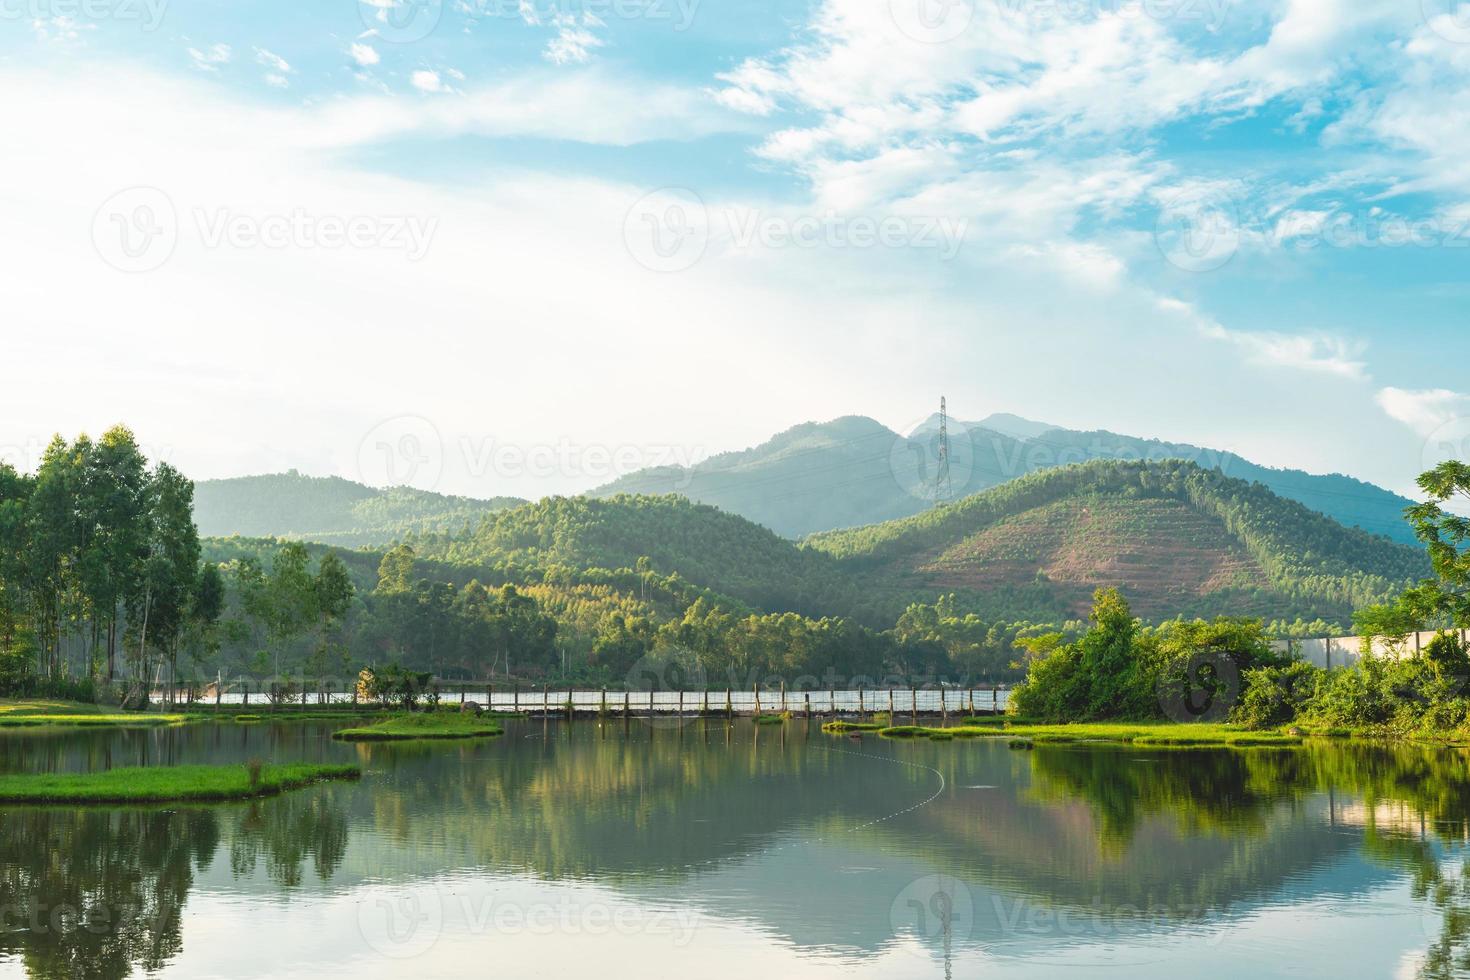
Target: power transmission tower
[(943, 491)]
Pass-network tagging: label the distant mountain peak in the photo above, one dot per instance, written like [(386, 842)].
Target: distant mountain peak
[(1013, 425)]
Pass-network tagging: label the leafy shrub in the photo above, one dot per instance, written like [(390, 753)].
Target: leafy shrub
[(1272, 696)]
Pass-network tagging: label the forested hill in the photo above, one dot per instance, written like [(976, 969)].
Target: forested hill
[(854, 471), (667, 535), (1177, 538), (330, 509), (1347, 500), (1180, 540)]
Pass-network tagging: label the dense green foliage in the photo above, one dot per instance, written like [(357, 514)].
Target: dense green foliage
[(1119, 669), (96, 551), (705, 546), (330, 509), (1425, 694)]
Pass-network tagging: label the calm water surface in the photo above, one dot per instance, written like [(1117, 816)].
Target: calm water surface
[(725, 850)]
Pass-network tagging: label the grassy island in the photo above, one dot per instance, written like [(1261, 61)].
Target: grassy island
[(70, 714), (1144, 734), (167, 784), (417, 726)]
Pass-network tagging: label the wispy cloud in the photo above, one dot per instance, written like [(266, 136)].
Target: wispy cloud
[(210, 58)]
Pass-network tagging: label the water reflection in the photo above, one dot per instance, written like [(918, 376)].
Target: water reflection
[(919, 856)]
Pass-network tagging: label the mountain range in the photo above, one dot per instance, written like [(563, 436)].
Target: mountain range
[(855, 471)]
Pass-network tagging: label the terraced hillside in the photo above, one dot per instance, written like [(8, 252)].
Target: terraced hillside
[(1162, 551), (1178, 539)]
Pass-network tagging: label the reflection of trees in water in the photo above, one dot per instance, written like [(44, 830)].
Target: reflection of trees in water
[(612, 801), (99, 892), (1233, 789), (289, 831), (94, 893), (1207, 791), (1449, 955), (1224, 790)]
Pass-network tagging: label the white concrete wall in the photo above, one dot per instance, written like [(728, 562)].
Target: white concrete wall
[(1345, 651)]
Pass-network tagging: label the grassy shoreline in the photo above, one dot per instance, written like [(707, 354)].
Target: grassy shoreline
[(166, 784), (429, 725), (1151, 734)]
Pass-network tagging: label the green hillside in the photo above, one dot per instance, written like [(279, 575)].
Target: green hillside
[(1178, 539), (1345, 499), (703, 545), (330, 509)]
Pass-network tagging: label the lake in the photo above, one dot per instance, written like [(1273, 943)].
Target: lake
[(711, 849)]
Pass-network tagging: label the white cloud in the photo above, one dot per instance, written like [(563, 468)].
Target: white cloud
[(364, 54), (1426, 410), (574, 41), (427, 81), (1319, 353), (272, 61)]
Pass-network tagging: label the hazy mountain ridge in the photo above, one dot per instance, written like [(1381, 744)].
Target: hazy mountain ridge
[(330, 509), (854, 471)]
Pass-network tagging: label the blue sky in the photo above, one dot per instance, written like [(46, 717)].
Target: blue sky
[(275, 235)]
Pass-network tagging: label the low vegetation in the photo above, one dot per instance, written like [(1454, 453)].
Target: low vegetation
[(427, 725), (167, 784), (68, 714)]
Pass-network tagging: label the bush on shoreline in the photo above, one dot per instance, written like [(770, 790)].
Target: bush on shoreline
[(1120, 669)]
